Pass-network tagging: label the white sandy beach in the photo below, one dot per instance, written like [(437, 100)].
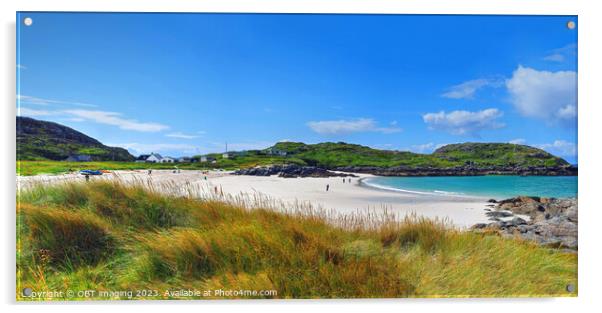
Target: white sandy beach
[(355, 197), (345, 198)]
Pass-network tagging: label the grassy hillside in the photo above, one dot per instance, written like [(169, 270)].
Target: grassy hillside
[(41, 140), (478, 154), (105, 236), (332, 155), (498, 154)]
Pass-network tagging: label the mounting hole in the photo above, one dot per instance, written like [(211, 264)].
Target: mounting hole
[(570, 288), (570, 25)]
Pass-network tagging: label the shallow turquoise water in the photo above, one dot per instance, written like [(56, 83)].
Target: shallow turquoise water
[(483, 186)]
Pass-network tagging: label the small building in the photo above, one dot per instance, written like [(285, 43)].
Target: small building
[(150, 158), (184, 160), (226, 155), (167, 160), (78, 158), (205, 158)]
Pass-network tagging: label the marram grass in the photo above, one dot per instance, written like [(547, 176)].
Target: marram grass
[(136, 242)]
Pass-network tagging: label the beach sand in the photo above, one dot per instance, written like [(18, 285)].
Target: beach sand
[(344, 198)]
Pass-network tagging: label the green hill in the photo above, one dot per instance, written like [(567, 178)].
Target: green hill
[(42, 140), (332, 155)]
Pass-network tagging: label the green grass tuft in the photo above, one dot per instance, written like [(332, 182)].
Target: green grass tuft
[(66, 238)]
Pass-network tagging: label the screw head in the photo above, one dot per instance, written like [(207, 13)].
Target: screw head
[(27, 291), (27, 21), (570, 287), (570, 25)]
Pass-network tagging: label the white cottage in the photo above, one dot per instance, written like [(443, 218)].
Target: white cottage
[(154, 158), (149, 158), (167, 160)]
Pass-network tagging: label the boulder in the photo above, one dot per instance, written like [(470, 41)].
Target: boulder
[(518, 221), (498, 214), (553, 222)]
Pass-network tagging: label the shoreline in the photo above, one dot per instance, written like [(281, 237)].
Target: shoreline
[(417, 192), (354, 198)]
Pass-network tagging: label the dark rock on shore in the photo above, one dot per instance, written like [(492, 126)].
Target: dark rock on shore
[(466, 170), (553, 222), (291, 171), (498, 214)]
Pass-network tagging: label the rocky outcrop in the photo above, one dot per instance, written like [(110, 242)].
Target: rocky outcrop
[(466, 170), (290, 171), (552, 222)]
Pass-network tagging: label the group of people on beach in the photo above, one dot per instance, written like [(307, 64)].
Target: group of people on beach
[(344, 180)]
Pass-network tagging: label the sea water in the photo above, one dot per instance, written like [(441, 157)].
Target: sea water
[(498, 187)]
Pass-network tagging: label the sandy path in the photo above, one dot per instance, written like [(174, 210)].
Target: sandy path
[(342, 197)]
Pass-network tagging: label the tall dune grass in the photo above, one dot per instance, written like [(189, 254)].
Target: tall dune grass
[(109, 236)]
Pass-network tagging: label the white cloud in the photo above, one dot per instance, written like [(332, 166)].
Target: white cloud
[(464, 122), (241, 146), (550, 96), (32, 112), (115, 119), (518, 141), (349, 126), (101, 117), (555, 57), (43, 101), (466, 90), (560, 148), (75, 119), (424, 148), (81, 115), (561, 54), (567, 112), (181, 135)]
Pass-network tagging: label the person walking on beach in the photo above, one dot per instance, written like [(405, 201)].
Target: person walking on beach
[(87, 177), (327, 187)]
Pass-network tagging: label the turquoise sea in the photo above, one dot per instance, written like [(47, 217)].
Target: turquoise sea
[(499, 187)]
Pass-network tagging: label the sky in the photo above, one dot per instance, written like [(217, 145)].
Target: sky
[(185, 84)]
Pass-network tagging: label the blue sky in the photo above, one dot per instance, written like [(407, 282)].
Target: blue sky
[(183, 84)]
